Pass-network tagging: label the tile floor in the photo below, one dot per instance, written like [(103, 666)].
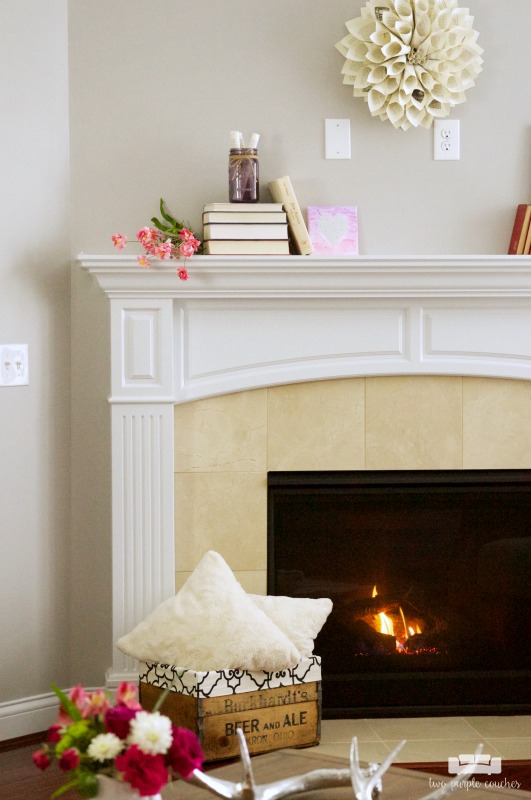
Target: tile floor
[(428, 738)]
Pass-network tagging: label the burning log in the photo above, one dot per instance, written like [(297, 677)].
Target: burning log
[(368, 641), (370, 606), (400, 621), (405, 628)]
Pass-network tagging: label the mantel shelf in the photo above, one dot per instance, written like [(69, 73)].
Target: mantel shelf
[(316, 276)]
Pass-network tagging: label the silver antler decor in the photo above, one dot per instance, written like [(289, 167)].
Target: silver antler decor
[(365, 781)]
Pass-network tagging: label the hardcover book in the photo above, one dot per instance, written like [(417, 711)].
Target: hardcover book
[(334, 229), (527, 246), (246, 247), (521, 227), (243, 207), (245, 230), (244, 216), (282, 191)]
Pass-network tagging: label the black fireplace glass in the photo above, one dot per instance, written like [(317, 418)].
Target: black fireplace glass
[(430, 575)]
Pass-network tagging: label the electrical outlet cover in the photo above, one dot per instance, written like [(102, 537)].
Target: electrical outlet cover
[(446, 140)]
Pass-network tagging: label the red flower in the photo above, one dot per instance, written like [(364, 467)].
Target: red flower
[(117, 720), (41, 759), (144, 772), (54, 732), (69, 759), (185, 753)]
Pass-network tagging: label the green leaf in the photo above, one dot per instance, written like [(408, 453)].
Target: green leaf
[(81, 731), (64, 788), (88, 785), (165, 693), (174, 226), (162, 698), (71, 709), (65, 742), (160, 225), (166, 215)]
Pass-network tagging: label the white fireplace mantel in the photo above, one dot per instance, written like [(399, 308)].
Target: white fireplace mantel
[(317, 276), (247, 322)]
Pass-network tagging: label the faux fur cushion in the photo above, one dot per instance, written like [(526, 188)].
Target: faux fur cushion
[(211, 624), (301, 618)]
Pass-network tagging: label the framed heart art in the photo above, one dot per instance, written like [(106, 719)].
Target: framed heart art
[(333, 229)]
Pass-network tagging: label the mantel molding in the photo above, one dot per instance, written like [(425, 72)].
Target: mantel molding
[(247, 322), (316, 276)]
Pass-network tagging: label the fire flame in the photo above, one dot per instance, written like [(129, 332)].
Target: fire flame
[(386, 623), (386, 626)]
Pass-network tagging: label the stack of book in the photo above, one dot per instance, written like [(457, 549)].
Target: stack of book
[(245, 229), (520, 242)]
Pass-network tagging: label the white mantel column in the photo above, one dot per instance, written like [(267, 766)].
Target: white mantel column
[(142, 466)]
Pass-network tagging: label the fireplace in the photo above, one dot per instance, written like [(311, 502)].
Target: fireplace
[(245, 323), (429, 575)]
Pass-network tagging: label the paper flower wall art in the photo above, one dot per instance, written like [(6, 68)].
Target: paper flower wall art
[(411, 60)]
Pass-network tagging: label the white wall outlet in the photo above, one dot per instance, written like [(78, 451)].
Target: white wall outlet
[(446, 140), (14, 365), (337, 138)]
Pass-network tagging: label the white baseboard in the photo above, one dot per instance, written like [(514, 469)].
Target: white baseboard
[(27, 715), (113, 677)]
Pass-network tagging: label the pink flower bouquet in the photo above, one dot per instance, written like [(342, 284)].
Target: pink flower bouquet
[(122, 741), (168, 240)]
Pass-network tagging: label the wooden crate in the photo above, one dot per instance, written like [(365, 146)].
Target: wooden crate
[(270, 718)]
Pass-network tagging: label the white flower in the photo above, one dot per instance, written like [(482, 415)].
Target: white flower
[(151, 732), (104, 746)]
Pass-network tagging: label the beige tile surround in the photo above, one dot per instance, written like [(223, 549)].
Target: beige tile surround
[(225, 445)]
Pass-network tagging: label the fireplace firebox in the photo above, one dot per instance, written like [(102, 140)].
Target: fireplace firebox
[(429, 573)]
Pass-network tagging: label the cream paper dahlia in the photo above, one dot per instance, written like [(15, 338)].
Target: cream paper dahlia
[(411, 60)]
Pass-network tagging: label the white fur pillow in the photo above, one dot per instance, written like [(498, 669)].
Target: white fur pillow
[(211, 624), (301, 618)]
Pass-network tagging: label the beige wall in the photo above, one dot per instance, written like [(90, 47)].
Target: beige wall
[(35, 310), (225, 446), (158, 85)]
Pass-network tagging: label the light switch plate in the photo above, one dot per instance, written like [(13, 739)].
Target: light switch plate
[(14, 365), (337, 138)]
